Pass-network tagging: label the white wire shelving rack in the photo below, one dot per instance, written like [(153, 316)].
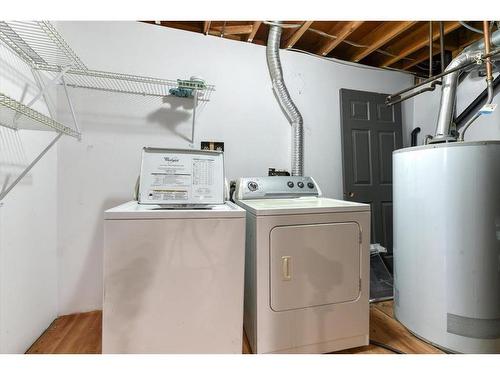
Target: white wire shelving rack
[(40, 45), (45, 51), (15, 115)]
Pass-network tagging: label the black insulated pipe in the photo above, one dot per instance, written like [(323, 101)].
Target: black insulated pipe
[(398, 99), (476, 104), (414, 134)]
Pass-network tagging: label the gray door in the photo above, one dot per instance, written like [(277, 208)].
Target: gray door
[(370, 132)]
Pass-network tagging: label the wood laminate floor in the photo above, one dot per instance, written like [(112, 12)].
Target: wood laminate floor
[(81, 334)]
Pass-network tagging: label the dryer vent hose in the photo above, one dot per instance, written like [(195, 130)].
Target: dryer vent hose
[(287, 105)]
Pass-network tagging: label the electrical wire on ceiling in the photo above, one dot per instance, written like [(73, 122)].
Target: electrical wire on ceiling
[(353, 64), (381, 51), (357, 45), (469, 27), (322, 33)]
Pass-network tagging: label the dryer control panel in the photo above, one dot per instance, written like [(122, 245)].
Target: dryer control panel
[(276, 187)]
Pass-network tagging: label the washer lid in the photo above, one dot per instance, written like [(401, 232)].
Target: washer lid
[(301, 205), (134, 210)]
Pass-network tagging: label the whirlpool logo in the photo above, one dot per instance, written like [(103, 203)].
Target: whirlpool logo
[(171, 159)]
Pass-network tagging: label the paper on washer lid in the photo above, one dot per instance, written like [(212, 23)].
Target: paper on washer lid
[(181, 177)]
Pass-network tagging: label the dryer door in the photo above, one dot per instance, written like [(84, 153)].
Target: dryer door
[(315, 264)]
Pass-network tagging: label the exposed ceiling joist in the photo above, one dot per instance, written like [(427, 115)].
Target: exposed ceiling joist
[(206, 27), (421, 56), (234, 29), (473, 37), (297, 34), (180, 25), (341, 32), (378, 37), (226, 36), (397, 41), (255, 28), (415, 41)]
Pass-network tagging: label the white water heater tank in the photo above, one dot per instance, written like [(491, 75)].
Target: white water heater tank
[(447, 244)]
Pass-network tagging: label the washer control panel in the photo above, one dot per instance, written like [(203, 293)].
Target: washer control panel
[(276, 187)]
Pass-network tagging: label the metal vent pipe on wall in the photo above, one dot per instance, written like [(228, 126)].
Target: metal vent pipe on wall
[(287, 105), (450, 83)]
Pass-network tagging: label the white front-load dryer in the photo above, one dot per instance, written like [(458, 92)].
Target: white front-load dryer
[(306, 267)]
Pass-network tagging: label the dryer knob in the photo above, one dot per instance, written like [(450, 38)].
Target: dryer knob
[(252, 186)]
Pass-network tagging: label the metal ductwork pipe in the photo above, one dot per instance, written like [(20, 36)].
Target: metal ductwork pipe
[(287, 105), (449, 88)]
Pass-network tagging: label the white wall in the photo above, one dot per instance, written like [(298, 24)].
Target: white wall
[(28, 226), (100, 171)]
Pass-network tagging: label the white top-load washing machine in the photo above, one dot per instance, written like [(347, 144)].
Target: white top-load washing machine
[(173, 275), (306, 267)]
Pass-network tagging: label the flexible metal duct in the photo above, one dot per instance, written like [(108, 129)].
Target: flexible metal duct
[(449, 87), (287, 105)]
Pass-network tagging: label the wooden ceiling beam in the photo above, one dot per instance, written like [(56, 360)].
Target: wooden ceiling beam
[(227, 36), (234, 29), (386, 36), (421, 56), (297, 34), (341, 34), (420, 39), (182, 26), (255, 28), (473, 37), (378, 37), (206, 27)]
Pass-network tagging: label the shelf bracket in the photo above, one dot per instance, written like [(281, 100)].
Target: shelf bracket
[(6, 189), (70, 104), (195, 104), (38, 79), (42, 90)]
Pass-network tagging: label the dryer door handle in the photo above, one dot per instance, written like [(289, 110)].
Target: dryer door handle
[(286, 267)]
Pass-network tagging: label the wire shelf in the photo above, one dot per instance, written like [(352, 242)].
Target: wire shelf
[(40, 45), (42, 48), (15, 115), (127, 83)]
